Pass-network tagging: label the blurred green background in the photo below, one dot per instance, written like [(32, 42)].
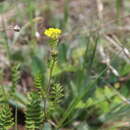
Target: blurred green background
[(93, 60)]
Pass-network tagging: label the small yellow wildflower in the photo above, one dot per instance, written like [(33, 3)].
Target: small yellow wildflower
[(53, 33)]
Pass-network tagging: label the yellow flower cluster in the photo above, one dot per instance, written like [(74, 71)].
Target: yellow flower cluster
[(53, 33)]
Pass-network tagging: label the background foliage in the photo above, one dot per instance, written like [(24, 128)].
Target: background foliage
[(89, 87)]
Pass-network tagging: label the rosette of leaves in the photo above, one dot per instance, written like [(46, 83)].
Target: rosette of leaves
[(38, 84), (38, 80), (56, 95), (34, 114), (2, 96), (15, 76), (6, 120)]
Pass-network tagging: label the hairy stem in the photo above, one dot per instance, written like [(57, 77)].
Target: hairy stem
[(49, 85)]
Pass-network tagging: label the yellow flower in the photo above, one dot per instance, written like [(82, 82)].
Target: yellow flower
[(53, 33)]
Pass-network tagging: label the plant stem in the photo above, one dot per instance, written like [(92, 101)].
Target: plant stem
[(49, 85), (50, 75), (16, 113)]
